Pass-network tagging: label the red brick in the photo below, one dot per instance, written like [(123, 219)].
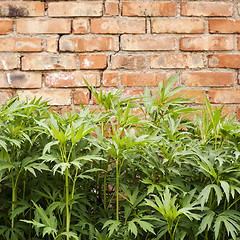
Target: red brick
[(44, 26), (239, 43), (80, 26), (9, 62), (224, 26), (111, 8), (147, 43), (177, 61), (143, 79), (206, 43), (6, 26), (5, 95), (22, 9), (110, 79), (156, 9), (118, 26), (93, 61), (198, 95), (52, 45), (206, 9), (132, 93), (87, 43), (56, 97), (47, 62), (71, 79), (20, 44), (20, 80), (128, 62), (209, 79), (82, 95), (75, 9), (178, 26), (224, 61), (224, 95)]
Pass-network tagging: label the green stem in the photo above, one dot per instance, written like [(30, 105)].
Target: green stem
[(117, 191), (67, 203), (14, 199)]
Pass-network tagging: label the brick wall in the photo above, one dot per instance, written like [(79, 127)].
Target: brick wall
[(47, 47)]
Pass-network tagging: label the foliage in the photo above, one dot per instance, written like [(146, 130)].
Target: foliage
[(170, 173)]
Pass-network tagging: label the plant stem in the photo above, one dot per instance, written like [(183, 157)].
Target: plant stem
[(117, 191), (67, 202), (14, 199)]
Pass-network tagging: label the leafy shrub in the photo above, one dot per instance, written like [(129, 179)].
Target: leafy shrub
[(170, 173)]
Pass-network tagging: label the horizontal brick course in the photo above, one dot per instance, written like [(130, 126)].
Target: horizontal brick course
[(156, 9), (224, 26), (88, 43), (118, 26), (224, 61), (75, 9), (20, 80), (22, 9), (207, 9), (210, 79), (177, 61), (43, 26), (147, 43), (8, 44), (46, 62), (177, 26), (206, 43), (72, 79)]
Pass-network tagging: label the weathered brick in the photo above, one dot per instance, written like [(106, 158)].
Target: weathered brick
[(111, 8), (224, 26), (9, 62), (22, 9), (93, 61), (143, 79), (209, 79), (20, 80), (128, 62), (224, 61), (47, 62), (43, 26), (198, 95), (177, 61), (224, 95), (177, 26), (52, 45), (72, 79), (206, 43), (239, 43), (156, 9), (118, 26), (206, 9), (5, 95), (20, 44), (80, 26), (6, 26), (147, 43), (82, 95), (75, 9), (110, 79), (132, 93), (87, 43), (55, 97)]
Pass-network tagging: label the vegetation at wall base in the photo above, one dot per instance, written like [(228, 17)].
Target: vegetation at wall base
[(173, 172)]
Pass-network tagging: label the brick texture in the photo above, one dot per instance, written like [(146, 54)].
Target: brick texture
[(48, 48)]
